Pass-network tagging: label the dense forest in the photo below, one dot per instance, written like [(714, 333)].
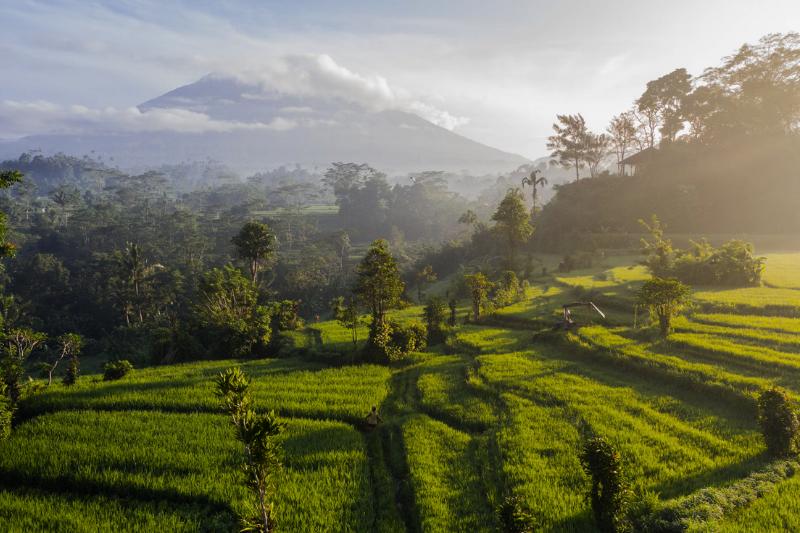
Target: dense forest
[(718, 154)]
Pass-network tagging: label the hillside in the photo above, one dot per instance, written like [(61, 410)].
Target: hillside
[(265, 129), (497, 413), (750, 188)]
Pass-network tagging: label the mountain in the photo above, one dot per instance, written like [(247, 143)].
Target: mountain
[(255, 129)]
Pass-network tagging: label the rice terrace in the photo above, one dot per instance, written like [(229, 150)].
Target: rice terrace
[(309, 292)]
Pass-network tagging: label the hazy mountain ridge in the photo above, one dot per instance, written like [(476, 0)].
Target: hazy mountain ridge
[(272, 129)]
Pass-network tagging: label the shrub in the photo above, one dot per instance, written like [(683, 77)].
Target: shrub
[(435, 315), (408, 337), (778, 421), (114, 370), (509, 290), (390, 341), (514, 517), (6, 413), (608, 493), (664, 298), (73, 370), (233, 321)]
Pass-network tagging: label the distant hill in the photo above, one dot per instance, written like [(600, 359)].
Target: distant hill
[(286, 130), (746, 188)]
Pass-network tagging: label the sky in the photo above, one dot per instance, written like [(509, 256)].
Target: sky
[(497, 72)]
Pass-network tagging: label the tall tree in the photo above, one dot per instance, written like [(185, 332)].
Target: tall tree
[(568, 142), (664, 100), (597, 148), (255, 243), (513, 222), (479, 287), (622, 131), (535, 181), (378, 284)]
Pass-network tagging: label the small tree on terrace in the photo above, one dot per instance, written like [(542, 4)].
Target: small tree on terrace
[(231, 314), (778, 421), (255, 243), (569, 142), (257, 434), (608, 493), (423, 277), (513, 222), (435, 315), (664, 298), (479, 287), (69, 346), (378, 284), (346, 314), (19, 344), (535, 181)]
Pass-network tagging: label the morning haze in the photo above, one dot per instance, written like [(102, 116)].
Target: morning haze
[(421, 266)]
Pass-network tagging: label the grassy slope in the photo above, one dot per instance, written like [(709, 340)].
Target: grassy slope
[(503, 415)]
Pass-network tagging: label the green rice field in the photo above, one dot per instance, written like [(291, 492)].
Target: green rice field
[(500, 410)]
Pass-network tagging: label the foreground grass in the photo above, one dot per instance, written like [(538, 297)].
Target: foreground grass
[(179, 470)]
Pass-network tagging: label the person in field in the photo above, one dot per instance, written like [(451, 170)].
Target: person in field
[(373, 418)]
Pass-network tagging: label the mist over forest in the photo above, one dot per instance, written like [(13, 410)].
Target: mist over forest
[(292, 294)]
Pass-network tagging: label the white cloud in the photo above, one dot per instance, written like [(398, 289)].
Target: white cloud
[(320, 76), (25, 118)]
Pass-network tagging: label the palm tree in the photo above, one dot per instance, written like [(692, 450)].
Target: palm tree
[(535, 181)]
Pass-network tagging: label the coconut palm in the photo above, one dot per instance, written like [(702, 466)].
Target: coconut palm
[(535, 181)]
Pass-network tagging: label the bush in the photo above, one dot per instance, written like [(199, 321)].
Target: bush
[(6, 413), (778, 421), (73, 369), (114, 370), (390, 341), (509, 290), (514, 517), (408, 337), (664, 298), (608, 493), (435, 315)]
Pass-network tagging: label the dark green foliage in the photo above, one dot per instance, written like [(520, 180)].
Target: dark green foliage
[(255, 243), (731, 265), (114, 370), (392, 341), (778, 421), (513, 222), (285, 315), (514, 517), (574, 261), (407, 337), (347, 316), (479, 287), (452, 304), (6, 413), (19, 343), (664, 298), (435, 315), (379, 287), (508, 290), (73, 371), (608, 492), (257, 435), (235, 323)]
